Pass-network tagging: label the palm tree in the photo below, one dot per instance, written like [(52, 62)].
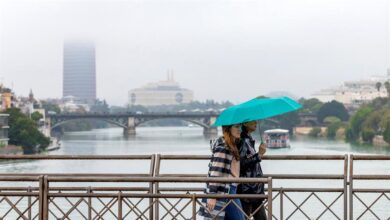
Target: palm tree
[(387, 87), (378, 86)]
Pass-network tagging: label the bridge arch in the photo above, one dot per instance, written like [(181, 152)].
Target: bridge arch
[(97, 119)]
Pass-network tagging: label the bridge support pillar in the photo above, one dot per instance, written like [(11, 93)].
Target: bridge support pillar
[(130, 130)]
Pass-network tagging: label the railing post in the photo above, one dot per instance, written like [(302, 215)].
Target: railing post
[(269, 198), (120, 205), (156, 186), (89, 191), (194, 206), (351, 187), (345, 187), (29, 203), (45, 198), (40, 197), (151, 184), (281, 192)]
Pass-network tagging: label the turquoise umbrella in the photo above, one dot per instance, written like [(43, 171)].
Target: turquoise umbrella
[(256, 109)]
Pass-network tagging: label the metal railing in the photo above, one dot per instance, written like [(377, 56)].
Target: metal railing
[(283, 193), (163, 195), (42, 178), (45, 202), (369, 197)]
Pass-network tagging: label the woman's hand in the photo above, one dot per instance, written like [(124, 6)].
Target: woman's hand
[(211, 204), (262, 149)]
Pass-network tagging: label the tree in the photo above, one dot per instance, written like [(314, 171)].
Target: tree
[(378, 86), (356, 121), (379, 103), (310, 105), (332, 129), (288, 121), (333, 108), (24, 132), (368, 134), (386, 133), (315, 132), (387, 87), (36, 116), (331, 120)]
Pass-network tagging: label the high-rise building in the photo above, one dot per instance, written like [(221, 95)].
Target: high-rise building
[(79, 71)]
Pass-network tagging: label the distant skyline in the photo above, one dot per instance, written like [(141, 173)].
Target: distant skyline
[(79, 71), (221, 49)]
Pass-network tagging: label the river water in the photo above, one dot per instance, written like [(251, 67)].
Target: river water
[(190, 140)]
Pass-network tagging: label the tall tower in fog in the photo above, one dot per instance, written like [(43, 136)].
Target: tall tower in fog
[(79, 70)]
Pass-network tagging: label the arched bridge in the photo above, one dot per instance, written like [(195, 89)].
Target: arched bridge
[(129, 121)]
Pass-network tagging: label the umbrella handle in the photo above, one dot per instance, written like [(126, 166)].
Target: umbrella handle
[(261, 137)]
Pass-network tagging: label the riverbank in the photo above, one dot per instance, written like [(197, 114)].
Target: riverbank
[(11, 149)]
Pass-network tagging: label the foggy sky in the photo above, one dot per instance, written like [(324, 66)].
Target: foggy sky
[(221, 49)]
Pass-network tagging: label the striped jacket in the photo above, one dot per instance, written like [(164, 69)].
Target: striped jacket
[(219, 166)]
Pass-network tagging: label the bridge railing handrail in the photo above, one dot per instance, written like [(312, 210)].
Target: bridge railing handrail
[(77, 157)]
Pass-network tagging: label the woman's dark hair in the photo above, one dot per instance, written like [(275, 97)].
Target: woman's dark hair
[(231, 141), (244, 130)]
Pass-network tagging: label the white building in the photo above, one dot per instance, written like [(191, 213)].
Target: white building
[(166, 92), (355, 92)]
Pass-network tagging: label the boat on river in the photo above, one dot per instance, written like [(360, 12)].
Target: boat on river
[(277, 138)]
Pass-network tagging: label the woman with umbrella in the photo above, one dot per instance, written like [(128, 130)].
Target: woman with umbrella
[(226, 156), (250, 167), (225, 162)]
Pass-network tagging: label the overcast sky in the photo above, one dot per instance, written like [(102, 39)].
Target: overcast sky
[(223, 50)]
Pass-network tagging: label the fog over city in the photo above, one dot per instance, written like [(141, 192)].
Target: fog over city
[(221, 49)]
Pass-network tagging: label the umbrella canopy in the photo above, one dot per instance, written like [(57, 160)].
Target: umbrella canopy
[(256, 109)]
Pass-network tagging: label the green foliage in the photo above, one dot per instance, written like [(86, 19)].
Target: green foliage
[(387, 87), (379, 103), (333, 108), (332, 129), (288, 121), (385, 118), (356, 121), (36, 116), (368, 134), (386, 133), (331, 120), (24, 132), (310, 105), (373, 121), (315, 132)]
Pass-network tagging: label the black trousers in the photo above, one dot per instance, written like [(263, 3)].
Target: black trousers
[(250, 206)]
